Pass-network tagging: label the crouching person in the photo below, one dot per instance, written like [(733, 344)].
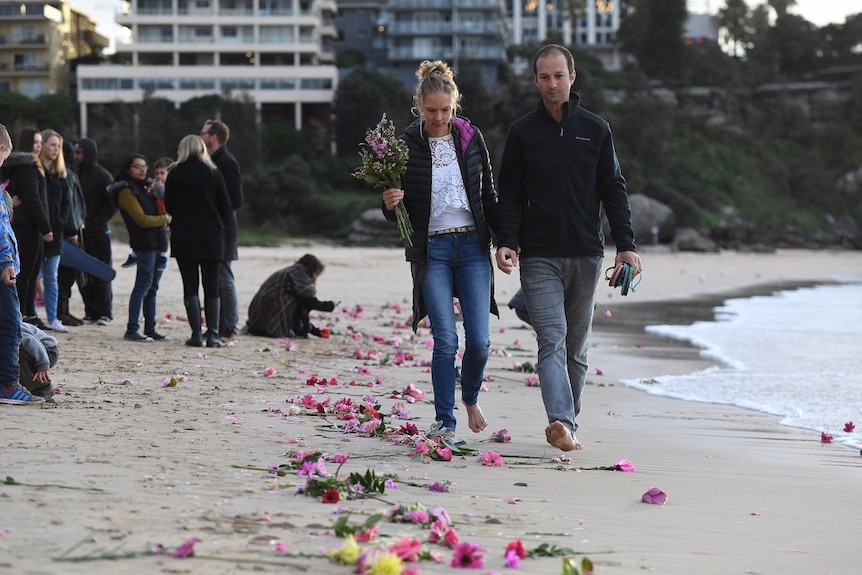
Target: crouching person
[(37, 354)]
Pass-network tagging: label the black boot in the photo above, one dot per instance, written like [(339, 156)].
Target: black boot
[(211, 312), (193, 311)]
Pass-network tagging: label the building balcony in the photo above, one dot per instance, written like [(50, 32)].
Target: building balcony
[(413, 53), (446, 29), (423, 5), (284, 84), (24, 69), (18, 40)]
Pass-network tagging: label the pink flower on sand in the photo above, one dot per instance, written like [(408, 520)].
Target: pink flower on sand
[(420, 449), (512, 560), (407, 548), (849, 427), (339, 458), (655, 496), (467, 556), (532, 381), (501, 436), (187, 549), (451, 539), (624, 465), (280, 547), (826, 437), (518, 548), (366, 536), (443, 453), (438, 486), (269, 372), (492, 459)]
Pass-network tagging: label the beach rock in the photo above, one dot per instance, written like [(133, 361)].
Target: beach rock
[(690, 240), (372, 227), (652, 221)]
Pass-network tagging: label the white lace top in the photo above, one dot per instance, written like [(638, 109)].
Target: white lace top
[(449, 205)]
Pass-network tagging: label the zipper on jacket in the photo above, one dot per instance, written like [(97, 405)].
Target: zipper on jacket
[(561, 131)]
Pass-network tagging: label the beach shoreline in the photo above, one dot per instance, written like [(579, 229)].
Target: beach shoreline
[(127, 461)]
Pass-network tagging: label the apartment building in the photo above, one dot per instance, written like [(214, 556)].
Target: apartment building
[(592, 26), (38, 41), (398, 34), (275, 52), (395, 35)]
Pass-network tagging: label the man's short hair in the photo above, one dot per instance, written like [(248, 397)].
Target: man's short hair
[(544, 50), (218, 129)]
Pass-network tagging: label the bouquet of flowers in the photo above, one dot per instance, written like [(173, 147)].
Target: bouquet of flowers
[(384, 161)]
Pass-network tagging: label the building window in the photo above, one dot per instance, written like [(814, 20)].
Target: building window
[(32, 88)]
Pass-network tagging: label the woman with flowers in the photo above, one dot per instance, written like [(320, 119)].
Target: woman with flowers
[(448, 192)]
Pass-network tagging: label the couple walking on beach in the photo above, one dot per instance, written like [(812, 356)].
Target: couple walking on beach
[(558, 170)]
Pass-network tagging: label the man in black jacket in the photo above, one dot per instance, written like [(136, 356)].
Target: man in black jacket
[(558, 170), (100, 208), (215, 135)]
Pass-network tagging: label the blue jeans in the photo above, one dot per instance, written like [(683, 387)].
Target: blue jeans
[(229, 300), (560, 294), (10, 333), (50, 265), (458, 266), (144, 293)]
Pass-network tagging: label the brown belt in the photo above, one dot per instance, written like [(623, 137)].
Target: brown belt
[(460, 230)]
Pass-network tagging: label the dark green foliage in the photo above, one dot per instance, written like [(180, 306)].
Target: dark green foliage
[(652, 31), (360, 101)]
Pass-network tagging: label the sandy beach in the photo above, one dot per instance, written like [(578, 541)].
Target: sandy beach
[(153, 444)]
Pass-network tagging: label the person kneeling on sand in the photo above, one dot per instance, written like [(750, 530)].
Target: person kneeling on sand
[(281, 306), (38, 354)]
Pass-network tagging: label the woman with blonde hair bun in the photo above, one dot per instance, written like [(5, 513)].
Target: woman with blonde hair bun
[(197, 200), (448, 191)]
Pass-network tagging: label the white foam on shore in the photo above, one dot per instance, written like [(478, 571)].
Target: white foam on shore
[(796, 354)]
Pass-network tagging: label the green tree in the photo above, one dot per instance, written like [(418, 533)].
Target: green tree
[(361, 99), (734, 22), (652, 31)]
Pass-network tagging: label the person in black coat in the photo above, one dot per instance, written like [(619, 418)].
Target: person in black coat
[(30, 218), (215, 135), (197, 200), (100, 208), (448, 191)]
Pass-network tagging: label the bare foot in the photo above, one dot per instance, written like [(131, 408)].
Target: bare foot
[(475, 418), (560, 437)]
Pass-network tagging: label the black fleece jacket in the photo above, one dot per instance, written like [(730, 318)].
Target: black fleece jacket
[(554, 179)]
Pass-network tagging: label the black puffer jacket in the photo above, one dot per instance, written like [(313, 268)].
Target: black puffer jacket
[(27, 182), (416, 183)]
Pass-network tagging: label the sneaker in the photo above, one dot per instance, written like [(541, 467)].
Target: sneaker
[(132, 261), (89, 320), (156, 336), (228, 333), (17, 395), (34, 320), (137, 336), (104, 320), (58, 326), (70, 320)]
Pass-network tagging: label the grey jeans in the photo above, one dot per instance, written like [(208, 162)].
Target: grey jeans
[(229, 300), (560, 294)]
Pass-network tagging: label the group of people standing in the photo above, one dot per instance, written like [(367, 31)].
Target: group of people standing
[(50, 202), (197, 195), (559, 171)]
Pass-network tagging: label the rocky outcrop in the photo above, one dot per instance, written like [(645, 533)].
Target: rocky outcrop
[(372, 228)]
